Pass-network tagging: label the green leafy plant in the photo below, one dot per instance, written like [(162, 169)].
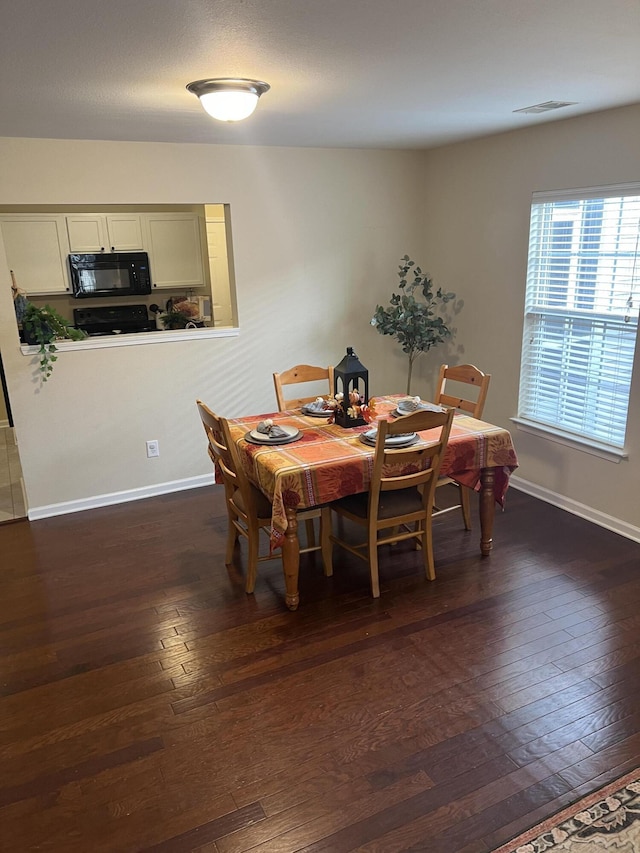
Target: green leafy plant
[(180, 312), (414, 318), (42, 327), (175, 319)]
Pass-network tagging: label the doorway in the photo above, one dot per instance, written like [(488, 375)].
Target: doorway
[(12, 500)]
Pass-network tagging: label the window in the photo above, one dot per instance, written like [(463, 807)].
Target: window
[(581, 312)]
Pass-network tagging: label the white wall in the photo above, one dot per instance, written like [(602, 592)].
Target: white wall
[(478, 198), (317, 236)]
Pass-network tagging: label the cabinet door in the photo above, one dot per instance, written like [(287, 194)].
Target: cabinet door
[(113, 232), (175, 249), (87, 233), (37, 250), (125, 232)]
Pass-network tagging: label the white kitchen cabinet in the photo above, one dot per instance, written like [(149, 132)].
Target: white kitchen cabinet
[(37, 249), (174, 243), (38, 246), (113, 232)]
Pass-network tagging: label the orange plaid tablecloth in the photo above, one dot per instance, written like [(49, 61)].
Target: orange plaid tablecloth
[(329, 461)]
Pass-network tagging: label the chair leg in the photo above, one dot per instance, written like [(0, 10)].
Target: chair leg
[(373, 562), (311, 533), (465, 504), (326, 545), (427, 547), (252, 559), (232, 538)]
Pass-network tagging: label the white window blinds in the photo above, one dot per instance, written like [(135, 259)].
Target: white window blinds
[(581, 312)]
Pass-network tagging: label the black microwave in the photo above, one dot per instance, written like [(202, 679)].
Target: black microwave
[(109, 274)]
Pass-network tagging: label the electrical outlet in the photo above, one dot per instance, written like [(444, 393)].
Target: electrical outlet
[(153, 448)]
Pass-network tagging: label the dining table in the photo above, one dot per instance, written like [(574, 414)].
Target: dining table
[(326, 462)]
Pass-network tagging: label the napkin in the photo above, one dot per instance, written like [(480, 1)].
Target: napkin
[(410, 404), (272, 430), (318, 405)]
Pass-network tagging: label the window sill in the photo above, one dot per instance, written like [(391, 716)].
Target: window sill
[(138, 339), (602, 451)]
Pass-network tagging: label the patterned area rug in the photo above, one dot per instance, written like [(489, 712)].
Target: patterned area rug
[(609, 819)]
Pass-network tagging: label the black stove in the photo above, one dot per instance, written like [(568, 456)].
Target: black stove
[(113, 320)]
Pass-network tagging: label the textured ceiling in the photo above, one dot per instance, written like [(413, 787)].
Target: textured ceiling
[(345, 73)]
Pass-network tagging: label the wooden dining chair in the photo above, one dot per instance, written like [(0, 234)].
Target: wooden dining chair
[(469, 376), (248, 509), (298, 375), (401, 492)]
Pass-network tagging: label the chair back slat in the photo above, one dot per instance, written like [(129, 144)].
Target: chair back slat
[(298, 375), (219, 449), (466, 374), (224, 453)]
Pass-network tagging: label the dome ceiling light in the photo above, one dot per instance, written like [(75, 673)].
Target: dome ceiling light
[(229, 98)]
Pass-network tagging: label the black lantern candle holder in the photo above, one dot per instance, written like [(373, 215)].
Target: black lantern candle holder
[(351, 379)]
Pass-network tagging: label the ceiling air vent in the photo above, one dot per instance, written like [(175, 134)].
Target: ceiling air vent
[(546, 106)]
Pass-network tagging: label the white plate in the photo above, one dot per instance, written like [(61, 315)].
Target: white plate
[(314, 413), (256, 437), (402, 439)]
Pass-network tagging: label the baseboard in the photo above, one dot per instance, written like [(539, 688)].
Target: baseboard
[(629, 531), (97, 501), (4, 423), (625, 529)]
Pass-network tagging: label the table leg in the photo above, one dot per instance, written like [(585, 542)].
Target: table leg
[(291, 559), (487, 509)]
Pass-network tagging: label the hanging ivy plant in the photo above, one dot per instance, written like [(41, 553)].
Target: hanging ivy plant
[(42, 327)]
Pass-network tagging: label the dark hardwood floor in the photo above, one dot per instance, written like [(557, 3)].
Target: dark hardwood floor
[(149, 704)]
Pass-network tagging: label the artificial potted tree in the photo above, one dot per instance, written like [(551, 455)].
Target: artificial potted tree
[(414, 318)]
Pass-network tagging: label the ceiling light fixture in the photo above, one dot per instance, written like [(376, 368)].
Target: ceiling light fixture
[(229, 98)]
